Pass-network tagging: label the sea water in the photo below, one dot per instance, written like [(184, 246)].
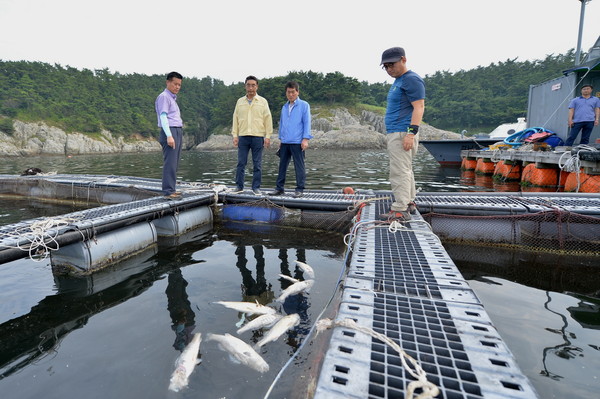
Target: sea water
[(118, 334)]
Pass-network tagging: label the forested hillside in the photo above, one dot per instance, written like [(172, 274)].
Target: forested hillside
[(88, 101)]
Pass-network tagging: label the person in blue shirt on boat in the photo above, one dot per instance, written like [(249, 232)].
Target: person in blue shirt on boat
[(294, 133), (584, 114), (403, 115), (171, 133)]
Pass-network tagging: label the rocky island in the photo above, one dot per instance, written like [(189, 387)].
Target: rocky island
[(335, 128)]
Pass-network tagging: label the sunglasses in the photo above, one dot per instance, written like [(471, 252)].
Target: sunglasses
[(387, 65)]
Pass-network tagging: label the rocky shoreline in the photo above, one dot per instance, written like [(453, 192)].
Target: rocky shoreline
[(339, 129)]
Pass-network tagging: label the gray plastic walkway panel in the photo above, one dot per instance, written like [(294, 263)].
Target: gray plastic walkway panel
[(455, 344), (404, 256), (402, 284), (506, 204), (92, 220), (310, 200)]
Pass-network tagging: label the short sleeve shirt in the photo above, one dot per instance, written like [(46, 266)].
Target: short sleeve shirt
[(405, 89)]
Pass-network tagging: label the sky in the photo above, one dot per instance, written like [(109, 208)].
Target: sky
[(230, 39)]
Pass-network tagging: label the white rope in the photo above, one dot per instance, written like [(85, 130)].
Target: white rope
[(430, 390), (573, 163), (40, 236)]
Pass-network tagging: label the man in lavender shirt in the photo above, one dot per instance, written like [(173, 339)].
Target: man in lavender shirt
[(171, 133)]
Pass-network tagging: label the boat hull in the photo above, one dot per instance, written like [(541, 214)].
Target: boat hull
[(447, 152)]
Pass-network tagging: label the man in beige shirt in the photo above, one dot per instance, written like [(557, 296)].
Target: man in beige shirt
[(252, 128)]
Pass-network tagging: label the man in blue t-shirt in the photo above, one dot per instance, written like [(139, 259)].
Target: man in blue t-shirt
[(404, 113), (584, 113)]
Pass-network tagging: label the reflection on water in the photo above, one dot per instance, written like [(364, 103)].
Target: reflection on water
[(129, 319), (552, 332), (180, 310)]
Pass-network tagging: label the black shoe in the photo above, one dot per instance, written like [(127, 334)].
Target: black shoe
[(298, 194), (276, 192)]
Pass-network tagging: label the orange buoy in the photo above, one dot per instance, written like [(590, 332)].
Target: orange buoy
[(587, 183), (541, 177), (348, 190), (506, 171), (468, 164), (484, 167)]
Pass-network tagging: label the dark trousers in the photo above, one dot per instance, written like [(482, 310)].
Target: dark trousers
[(586, 130), (295, 152), (245, 144), (171, 158)]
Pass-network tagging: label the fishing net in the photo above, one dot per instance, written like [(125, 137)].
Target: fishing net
[(553, 230)]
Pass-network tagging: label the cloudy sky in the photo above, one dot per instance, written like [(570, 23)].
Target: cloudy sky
[(230, 39)]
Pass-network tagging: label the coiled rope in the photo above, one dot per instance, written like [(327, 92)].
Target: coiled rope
[(39, 236)]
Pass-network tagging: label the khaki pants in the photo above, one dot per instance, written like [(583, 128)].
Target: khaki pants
[(402, 178)]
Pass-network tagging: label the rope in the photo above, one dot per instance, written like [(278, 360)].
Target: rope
[(430, 390), (40, 235), (573, 163), (314, 326)]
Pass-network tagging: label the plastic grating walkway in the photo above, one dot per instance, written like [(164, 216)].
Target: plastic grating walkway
[(110, 181), (21, 235), (310, 200), (404, 285), (507, 204)]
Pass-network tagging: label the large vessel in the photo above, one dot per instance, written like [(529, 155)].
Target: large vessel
[(547, 107), (447, 152)]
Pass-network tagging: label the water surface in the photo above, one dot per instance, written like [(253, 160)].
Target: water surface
[(103, 337)]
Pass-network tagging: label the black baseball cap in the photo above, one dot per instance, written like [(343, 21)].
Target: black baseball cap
[(393, 54)]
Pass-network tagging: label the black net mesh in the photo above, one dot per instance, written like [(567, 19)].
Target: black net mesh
[(553, 230)]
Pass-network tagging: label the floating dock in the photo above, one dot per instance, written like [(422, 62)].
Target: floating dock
[(403, 284), (400, 283), (573, 170)]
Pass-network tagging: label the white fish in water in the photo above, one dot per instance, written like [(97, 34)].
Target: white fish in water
[(185, 363), (248, 307), (260, 322), (310, 273), (293, 280), (278, 329), (296, 288), (241, 351), (241, 321)]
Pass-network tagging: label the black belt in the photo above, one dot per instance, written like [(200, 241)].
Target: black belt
[(177, 127)]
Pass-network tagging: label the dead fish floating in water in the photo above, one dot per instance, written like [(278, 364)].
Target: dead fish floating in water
[(185, 363), (248, 307), (278, 329), (296, 288), (310, 273), (241, 351), (288, 278), (264, 320)]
